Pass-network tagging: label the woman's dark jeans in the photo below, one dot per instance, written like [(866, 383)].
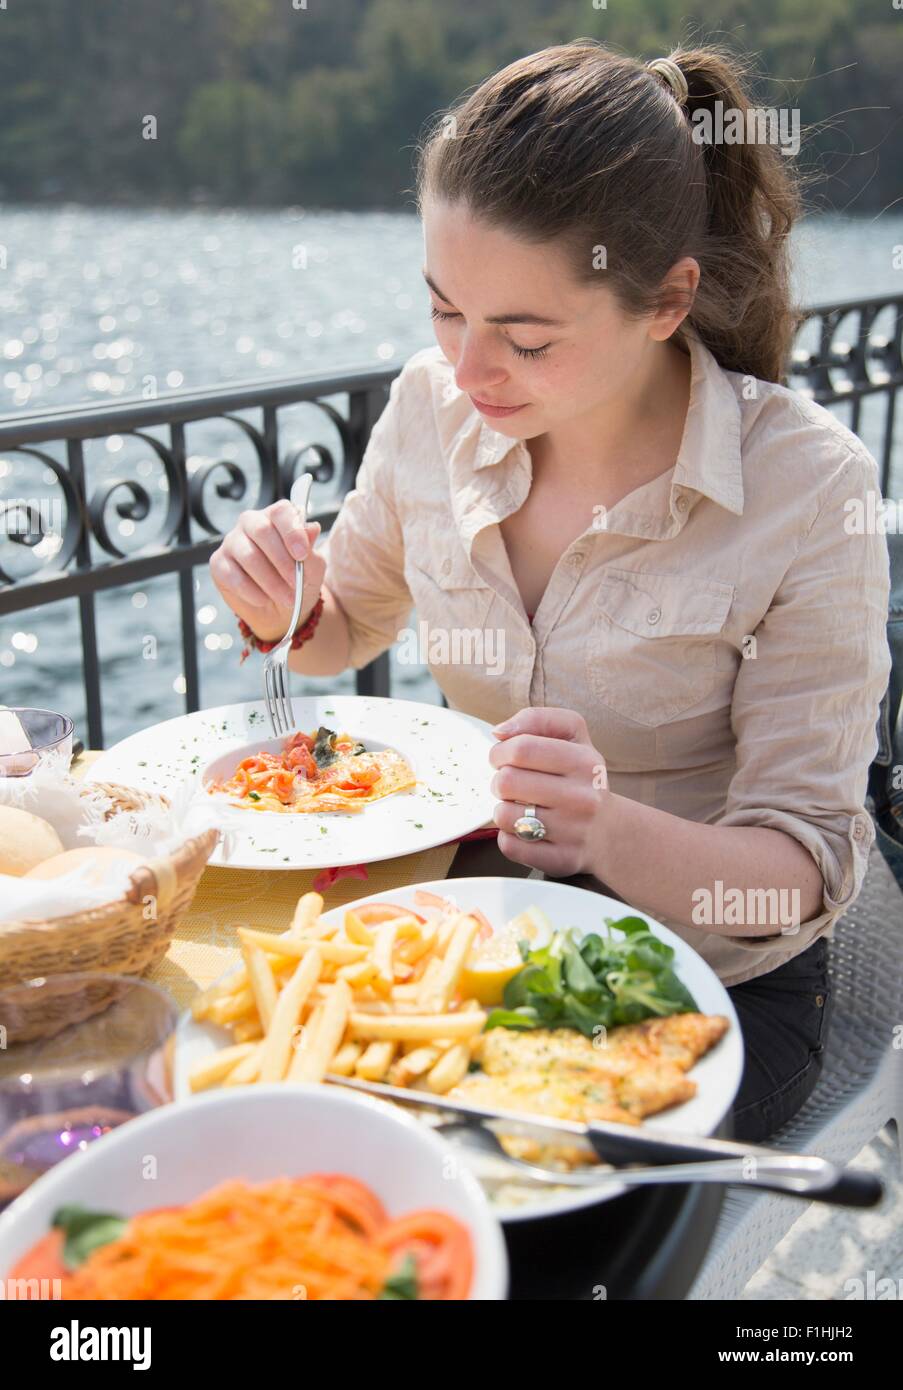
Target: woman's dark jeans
[(784, 1017)]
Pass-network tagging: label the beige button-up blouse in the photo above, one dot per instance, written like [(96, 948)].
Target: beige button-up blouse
[(721, 629)]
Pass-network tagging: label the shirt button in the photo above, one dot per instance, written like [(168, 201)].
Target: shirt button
[(680, 502), (446, 566), (653, 615), (858, 828)]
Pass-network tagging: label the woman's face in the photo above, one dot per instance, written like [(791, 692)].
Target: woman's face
[(492, 288)]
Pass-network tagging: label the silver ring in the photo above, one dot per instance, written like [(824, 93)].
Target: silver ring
[(529, 826)]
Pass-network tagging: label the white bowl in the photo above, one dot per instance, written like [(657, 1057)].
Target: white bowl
[(261, 1133)]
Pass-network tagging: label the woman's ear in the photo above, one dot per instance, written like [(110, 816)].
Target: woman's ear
[(676, 298)]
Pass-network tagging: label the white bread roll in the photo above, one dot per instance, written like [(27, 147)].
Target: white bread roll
[(106, 863), (25, 840)]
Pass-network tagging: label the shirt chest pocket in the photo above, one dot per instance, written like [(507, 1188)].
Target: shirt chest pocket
[(446, 589), (655, 639)]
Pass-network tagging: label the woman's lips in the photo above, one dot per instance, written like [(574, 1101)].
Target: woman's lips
[(495, 410)]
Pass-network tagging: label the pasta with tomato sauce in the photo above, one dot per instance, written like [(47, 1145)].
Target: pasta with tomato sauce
[(319, 772)]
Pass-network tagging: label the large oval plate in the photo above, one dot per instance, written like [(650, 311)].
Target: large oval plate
[(448, 751), (717, 1074)]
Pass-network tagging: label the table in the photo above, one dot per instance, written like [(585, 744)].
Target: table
[(647, 1244)]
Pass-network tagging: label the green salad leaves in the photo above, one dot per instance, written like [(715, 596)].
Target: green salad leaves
[(599, 981)]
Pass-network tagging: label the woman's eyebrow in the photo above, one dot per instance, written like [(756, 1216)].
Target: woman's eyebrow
[(502, 318)]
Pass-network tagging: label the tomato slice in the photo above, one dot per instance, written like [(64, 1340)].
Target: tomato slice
[(363, 777), (370, 913), (442, 1250), (351, 1191), (282, 785), (43, 1261), (301, 759), (485, 931), (426, 899)]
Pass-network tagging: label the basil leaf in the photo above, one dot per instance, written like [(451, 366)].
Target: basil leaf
[(323, 752), (403, 1283), (85, 1231)]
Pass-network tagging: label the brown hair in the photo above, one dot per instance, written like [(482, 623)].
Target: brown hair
[(580, 145)]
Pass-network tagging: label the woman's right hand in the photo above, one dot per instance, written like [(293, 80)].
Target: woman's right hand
[(254, 568)]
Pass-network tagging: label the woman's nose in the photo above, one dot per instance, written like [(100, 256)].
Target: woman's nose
[(478, 370)]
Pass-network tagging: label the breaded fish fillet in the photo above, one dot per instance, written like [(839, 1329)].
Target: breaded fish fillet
[(637, 1070)]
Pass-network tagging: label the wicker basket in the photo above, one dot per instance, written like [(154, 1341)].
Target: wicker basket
[(117, 938)]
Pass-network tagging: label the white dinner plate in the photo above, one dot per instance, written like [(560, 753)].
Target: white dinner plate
[(717, 1074), (448, 750)]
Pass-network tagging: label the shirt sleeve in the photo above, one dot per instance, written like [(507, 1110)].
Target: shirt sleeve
[(806, 699), (364, 549)]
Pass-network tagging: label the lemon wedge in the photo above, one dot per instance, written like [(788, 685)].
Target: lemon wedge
[(493, 962)]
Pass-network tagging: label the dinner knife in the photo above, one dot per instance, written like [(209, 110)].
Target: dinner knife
[(789, 1174)]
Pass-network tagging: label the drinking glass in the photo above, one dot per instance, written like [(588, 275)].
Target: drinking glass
[(61, 1093), (50, 735)]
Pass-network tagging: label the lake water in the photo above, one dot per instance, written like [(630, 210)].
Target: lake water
[(101, 305)]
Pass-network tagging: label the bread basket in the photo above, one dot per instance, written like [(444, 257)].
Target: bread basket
[(123, 937)]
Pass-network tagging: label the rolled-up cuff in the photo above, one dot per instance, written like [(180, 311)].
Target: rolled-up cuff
[(842, 856)]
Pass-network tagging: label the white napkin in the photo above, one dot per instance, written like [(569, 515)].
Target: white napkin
[(76, 811), (49, 792), (36, 900)]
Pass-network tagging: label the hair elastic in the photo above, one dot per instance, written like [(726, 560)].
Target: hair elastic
[(667, 69)]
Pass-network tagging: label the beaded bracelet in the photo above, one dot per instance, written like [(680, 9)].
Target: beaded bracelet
[(302, 633)]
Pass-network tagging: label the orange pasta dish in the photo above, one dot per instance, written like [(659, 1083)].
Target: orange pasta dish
[(324, 771), (323, 1236)]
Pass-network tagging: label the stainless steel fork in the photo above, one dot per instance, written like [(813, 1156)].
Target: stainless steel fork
[(276, 676)]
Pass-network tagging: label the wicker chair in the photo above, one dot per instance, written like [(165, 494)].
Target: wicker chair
[(859, 1091)]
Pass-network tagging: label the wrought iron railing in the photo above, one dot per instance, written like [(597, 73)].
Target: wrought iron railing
[(88, 558), (852, 352), (847, 353)]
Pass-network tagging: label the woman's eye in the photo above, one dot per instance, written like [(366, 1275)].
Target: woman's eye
[(521, 352)]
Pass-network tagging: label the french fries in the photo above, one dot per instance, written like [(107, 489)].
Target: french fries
[(378, 997), (276, 1048)]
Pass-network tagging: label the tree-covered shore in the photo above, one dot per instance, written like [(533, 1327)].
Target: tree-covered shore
[(319, 102)]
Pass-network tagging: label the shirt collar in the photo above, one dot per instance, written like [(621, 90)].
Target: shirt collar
[(709, 458)]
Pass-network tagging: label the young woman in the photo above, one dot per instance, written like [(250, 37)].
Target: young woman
[(632, 538)]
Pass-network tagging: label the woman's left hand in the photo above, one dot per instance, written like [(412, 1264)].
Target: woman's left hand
[(545, 758)]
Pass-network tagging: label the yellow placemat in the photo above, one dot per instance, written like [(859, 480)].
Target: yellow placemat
[(205, 943)]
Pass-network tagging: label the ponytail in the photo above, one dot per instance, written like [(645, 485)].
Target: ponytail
[(743, 308)]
